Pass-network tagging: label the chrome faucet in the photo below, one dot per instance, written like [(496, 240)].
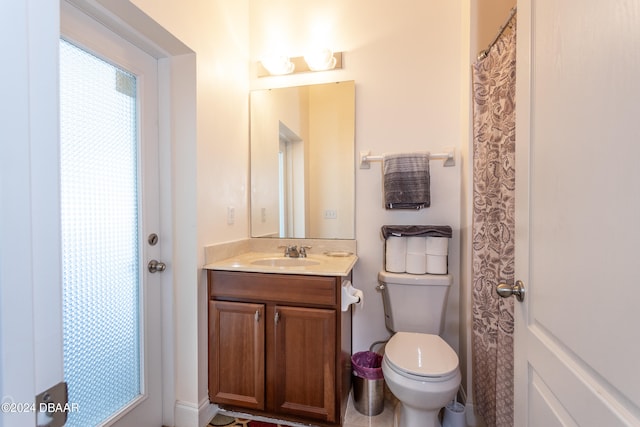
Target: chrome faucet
[(292, 251)]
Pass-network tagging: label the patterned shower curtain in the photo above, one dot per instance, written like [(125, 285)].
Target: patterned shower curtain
[(493, 229)]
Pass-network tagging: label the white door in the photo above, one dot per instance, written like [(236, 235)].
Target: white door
[(578, 213), (110, 212)]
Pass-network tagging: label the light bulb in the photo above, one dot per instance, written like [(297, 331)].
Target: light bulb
[(277, 65), (320, 59)]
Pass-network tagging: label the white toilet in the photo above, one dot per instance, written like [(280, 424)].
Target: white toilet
[(419, 367)]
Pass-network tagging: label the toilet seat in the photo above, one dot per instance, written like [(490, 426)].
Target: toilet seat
[(424, 356)]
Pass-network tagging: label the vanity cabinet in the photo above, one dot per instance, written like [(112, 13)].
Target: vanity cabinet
[(279, 345)]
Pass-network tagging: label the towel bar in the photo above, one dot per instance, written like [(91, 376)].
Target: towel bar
[(448, 157)]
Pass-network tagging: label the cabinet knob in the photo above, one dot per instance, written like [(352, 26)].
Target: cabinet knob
[(276, 318), (257, 315)]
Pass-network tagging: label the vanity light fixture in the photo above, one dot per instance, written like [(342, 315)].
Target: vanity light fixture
[(317, 60)]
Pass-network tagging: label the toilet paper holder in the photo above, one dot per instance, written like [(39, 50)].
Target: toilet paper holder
[(350, 295)]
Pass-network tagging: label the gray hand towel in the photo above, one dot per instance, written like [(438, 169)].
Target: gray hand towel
[(406, 181)]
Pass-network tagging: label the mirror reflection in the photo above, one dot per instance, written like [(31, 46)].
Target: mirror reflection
[(302, 161)]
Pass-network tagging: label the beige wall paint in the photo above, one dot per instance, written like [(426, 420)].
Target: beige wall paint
[(488, 15)]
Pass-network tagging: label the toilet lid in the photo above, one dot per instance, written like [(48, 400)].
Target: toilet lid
[(421, 354)]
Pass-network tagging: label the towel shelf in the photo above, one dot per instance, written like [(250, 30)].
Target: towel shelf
[(448, 157)]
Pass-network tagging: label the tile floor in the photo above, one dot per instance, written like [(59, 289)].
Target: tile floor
[(353, 418)]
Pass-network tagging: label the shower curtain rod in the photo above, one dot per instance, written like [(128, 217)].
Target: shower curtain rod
[(483, 54)]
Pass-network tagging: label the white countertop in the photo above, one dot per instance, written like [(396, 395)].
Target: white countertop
[(340, 264)]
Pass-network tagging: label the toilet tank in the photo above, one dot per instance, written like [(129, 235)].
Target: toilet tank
[(415, 302)]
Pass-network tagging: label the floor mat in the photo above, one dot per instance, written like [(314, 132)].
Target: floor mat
[(224, 420), (262, 424), (221, 420)]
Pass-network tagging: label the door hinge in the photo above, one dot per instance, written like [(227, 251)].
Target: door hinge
[(52, 406)]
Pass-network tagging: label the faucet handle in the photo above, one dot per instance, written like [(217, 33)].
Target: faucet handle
[(303, 251)]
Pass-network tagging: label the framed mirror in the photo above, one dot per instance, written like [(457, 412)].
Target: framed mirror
[(302, 161)]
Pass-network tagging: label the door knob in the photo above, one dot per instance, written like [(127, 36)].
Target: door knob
[(156, 266), (505, 290)]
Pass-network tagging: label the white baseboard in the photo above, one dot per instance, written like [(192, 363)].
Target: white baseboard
[(189, 415)]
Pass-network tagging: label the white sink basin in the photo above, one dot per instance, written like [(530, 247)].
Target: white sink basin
[(285, 262)]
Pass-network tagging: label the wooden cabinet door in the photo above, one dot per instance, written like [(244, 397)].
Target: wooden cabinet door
[(236, 354), (303, 361)]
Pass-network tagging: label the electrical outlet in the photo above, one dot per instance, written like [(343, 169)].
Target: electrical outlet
[(330, 214), (231, 215)]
